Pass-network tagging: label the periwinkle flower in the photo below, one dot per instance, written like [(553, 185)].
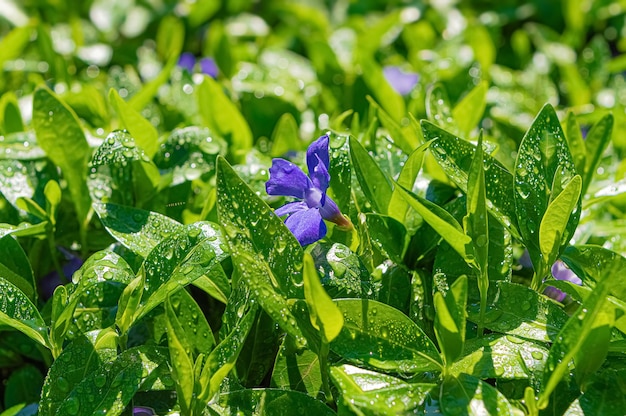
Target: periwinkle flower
[(401, 81), (143, 411), (561, 272), (306, 216), (187, 61)]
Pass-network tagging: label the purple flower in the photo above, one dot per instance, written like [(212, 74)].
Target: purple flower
[(143, 411), (187, 61), (306, 217), (402, 82), (561, 272), (208, 67)]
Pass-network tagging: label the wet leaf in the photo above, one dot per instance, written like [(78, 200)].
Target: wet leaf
[(374, 182), (543, 167), (388, 235), (80, 358), (181, 358), (369, 393), (17, 311), (518, 310), (398, 206), (137, 229), (596, 143), (139, 128), (60, 135), (111, 387), (455, 156), (555, 220), (381, 337), (270, 402), (121, 172), (450, 320), (15, 266), (297, 369), (467, 395), (584, 337), (468, 112), (324, 314), (504, 357)]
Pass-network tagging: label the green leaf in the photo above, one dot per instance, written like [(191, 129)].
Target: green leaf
[(374, 182), (503, 357), (13, 44), (129, 302), (450, 320), (178, 261), (604, 395), (382, 337), (442, 222), (468, 112), (340, 171), (370, 393), (455, 156), (111, 387), (579, 337), (388, 235), (467, 395), (324, 314), (170, 37), (403, 137), (438, 108), (138, 230), (269, 402), (80, 358), (10, 113), (18, 312), (576, 143), (222, 359), (139, 128), (121, 172), (596, 143), (296, 369), (556, 218), (398, 206), (189, 315), (476, 221), (21, 146), (52, 193), (147, 93), (543, 167), (390, 100), (181, 359), (61, 136), (285, 137), (23, 386), (518, 310), (251, 228), (15, 267), (220, 115)]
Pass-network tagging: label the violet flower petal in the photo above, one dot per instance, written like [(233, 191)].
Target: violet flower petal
[(561, 272), (143, 411), (402, 82), (307, 226), (209, 67), (330, 211), (290, 208), (187, 61), (318, 151), (320, 176), (287, 179)]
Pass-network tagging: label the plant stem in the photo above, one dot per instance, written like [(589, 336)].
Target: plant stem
[(323, 357)]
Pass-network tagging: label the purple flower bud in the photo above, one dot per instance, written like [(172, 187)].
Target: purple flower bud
[(402, 82), (561, 272), (187, 61), (143, 411), (209, 67)]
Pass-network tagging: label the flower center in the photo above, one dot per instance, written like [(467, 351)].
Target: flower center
[(313, 198)]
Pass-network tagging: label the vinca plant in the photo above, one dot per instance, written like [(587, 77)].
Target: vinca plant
[(312, 208)]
